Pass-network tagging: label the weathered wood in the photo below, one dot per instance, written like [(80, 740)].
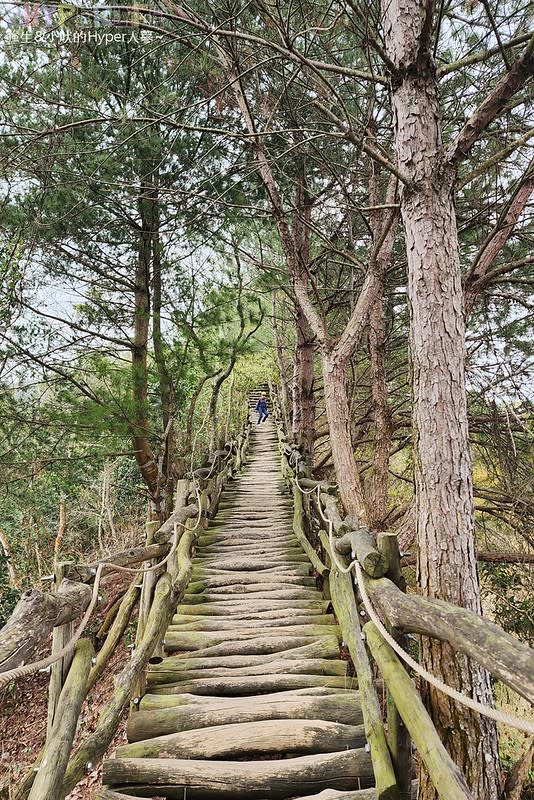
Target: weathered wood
[(169, 701), (249, 604), (360, 543), (326, 648), (238, 779), (243, 562), (443, 772), (191, 640), (309, 483), (244, 579), (209, 644), (398, 738), (165, 533), (156, 719), (108, 794), (93, 748), (344, 603), (124, 558), (266, 737), (252, 684), (300, 533), (295, 570), (61, 635), (388, 544), (331, 512), (501, 654), (207, 623), (49, 777), (34, 617), (148, 582), (262, 592), (163, 674), (266, 592), (116, 632), (359, 794), (333, 794)]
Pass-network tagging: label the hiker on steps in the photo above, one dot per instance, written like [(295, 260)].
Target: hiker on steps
[(261, 408)]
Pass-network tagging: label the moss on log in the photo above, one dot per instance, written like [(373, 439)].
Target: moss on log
[(265, 737), (501, 654), (344, 603), (156, 721), (165, 674), (118, 628), (34, 616), (444, 774), (252, 684), (333, 794), (192, 640), (231, 779), (361, 544), (49, 777), (300, 533), (207, 623)]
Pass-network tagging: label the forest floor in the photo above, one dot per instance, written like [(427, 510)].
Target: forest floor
[(24, 713)]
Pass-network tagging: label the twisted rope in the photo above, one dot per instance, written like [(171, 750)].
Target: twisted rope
[(499, 716)]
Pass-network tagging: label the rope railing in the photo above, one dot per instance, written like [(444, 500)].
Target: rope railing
[(293, 457)]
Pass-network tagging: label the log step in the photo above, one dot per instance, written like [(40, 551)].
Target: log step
[(252, 700), (230, 780), (252, 684), (295, 736)]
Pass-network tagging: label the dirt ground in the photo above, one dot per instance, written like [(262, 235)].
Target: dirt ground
[(23, 715)]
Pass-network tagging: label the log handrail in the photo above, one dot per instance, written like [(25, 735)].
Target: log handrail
[(501, 654), (73, 597)]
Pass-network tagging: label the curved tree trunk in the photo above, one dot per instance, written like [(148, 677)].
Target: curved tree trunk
[(444, 502), (337, 411)]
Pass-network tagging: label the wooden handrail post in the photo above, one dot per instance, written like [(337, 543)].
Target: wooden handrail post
[(398, 737), (148, 582), (344, 602), (444, 774), (61, 634), (49, 778)]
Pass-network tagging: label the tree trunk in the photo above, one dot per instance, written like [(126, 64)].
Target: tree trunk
[(145, 457), (337, 411), (444, 503), (303, 396), (281, 361), (166, 385), (378, 488)]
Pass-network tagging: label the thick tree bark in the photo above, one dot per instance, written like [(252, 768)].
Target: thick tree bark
[(444, 501), (283, 367), (144, 455), (337, 410), (378, 488), (166, 384), (303, 395)]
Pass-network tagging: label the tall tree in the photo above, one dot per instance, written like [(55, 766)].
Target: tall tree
[(443, 470)]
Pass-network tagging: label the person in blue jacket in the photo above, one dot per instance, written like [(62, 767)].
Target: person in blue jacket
[(261, 408)]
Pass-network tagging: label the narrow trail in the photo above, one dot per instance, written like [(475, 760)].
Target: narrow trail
[(252, 699)]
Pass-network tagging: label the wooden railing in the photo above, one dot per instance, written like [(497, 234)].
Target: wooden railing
[(316, 508), (166, 563)]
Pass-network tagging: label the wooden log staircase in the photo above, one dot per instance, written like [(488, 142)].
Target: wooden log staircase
[(251, 698)]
